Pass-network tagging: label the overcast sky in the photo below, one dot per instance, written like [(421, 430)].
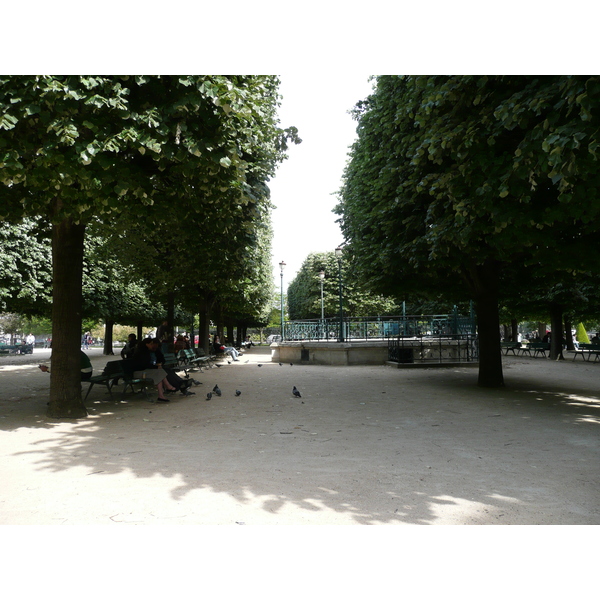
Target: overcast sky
[(304, 187)]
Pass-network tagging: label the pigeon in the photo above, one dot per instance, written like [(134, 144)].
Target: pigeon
[(296, 392), (217, 365), (259, 365), (281, 364), (228, 362), (237, 392), (291, 364), (216, 390), (209, 396)]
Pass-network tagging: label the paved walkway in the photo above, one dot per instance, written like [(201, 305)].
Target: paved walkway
[(364, 445)]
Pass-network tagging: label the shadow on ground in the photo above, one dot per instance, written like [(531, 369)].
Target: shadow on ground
[(368, 444)]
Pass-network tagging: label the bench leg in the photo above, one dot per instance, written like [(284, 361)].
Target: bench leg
[(92, 384)]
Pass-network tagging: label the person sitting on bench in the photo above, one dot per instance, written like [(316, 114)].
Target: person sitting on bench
[(144, 367), (219, 348), (130, 346), (179, 383), (86, 367)]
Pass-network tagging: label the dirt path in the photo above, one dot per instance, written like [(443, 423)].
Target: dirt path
[(364, 445)]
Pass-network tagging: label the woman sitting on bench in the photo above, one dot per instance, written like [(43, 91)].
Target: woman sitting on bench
[(144, 367)]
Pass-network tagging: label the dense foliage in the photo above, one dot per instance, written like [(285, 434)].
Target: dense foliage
[(304, 292), (143, 157), (25, 268), (453, 179)]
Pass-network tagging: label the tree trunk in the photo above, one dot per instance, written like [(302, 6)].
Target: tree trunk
[(140, 325), (569, 334), (108, 337), (483, 282), (218, 322), (171, 318), (556, 326), (541, 330), (241, 334), (204, 323), (514, 324), (229, 336), (490, 355), (65, 373)]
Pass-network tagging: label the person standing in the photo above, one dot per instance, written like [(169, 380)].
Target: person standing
[(86, 340), (162, 333)]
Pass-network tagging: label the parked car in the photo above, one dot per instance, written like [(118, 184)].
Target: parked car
[(272, 339)]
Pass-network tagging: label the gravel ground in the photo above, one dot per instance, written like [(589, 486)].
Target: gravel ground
[(364, 445)]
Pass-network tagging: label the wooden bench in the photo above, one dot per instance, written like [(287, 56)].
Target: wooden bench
[(203, 357), (112, 373), (587, 350), (510, 347), (536, 348), (171, 362), (9, 349), (189, 359)]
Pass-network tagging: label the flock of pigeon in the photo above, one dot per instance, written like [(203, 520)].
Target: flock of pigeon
[(217, 392)]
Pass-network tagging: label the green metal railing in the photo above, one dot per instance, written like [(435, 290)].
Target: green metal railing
[(371, 328)]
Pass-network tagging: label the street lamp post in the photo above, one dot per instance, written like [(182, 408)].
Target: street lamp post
[(338, 253), (281, 267), (322, 278)]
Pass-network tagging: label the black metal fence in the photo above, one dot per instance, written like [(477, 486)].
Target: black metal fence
[(443, 348)]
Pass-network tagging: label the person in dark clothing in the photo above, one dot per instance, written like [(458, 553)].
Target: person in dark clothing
[(164, 337), (177, 382), (130, 346), (145, 366)]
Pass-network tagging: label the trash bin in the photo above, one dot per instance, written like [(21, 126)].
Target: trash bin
[(405, 355)]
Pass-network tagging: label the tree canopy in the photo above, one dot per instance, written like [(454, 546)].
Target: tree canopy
[(135, 154), (304, 292), (452, 179), (25, 268)]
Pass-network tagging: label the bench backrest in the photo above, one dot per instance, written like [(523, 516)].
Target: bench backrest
[(170, 360), (113, 367), (186, 354), (127, 367), (589, 346)]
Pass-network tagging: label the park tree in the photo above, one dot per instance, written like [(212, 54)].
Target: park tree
[(25, 268), (129, 148), (113, 294), (304, 291), (452, 179)]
